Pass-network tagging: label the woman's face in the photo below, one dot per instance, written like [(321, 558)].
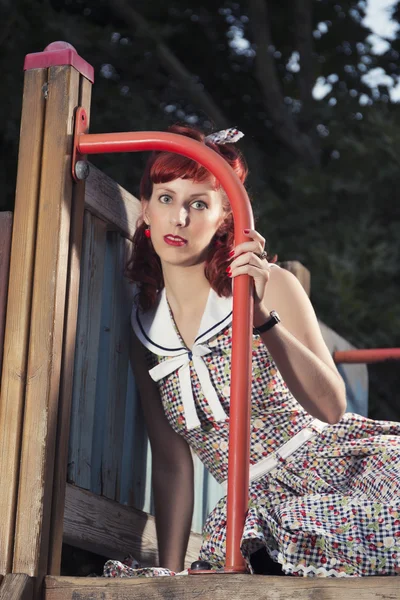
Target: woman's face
[(183, 217)]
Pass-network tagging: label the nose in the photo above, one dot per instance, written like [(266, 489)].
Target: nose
[(179, 217)]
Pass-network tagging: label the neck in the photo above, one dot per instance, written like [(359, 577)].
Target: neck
[(186, 287)]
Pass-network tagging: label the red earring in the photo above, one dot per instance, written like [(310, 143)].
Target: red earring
[(147, 232)]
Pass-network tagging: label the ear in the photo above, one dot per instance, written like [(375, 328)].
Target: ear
[(144, 205)]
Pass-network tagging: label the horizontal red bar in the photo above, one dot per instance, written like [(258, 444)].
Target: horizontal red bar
[(366, 356)]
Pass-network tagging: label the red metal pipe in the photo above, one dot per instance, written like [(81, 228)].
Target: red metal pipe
[(239, 430), (366, 356)]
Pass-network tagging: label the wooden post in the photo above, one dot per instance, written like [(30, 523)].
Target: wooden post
[(19, 304), (68, 356), (5, 249), (16, 586), (47, 322), (41, 318)]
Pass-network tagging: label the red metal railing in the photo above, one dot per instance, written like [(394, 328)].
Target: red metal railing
[(240, 408), (366, 356), (239, 430)]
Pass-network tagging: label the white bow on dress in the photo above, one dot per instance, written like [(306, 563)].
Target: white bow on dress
[(157, 332)]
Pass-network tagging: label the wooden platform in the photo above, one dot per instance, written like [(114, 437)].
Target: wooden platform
[(222, 587)]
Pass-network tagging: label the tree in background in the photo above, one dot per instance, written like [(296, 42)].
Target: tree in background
[(323, 173)]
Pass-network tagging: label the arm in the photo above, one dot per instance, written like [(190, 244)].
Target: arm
[(298, 348), (296, 344), (172, 469)]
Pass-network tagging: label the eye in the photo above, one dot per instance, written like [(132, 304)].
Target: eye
[(199, 205), (165, 199)]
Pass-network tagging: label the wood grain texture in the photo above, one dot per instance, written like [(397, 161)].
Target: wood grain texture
[(68, 358), (5, 251), (17, 586), (117, 363), (16, 335), (109, 201), (301, 272), (113, 530), (86, 352), (223, 587), (47, 325)]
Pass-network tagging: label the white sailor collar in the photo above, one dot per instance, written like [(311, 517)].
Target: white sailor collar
[(156, 330)]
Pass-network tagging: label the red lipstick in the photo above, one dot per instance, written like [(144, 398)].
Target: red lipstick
[(175, 240)]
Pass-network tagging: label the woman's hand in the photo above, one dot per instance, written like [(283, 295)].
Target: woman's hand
[(246, 261)]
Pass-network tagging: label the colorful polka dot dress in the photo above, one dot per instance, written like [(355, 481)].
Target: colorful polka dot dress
[(330, 508)]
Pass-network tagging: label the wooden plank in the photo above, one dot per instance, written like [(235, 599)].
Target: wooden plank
[(129, 474), (109, 201), (301, 272), (136, 488), (223, 587), (113, 530), (117, 362), (136, 460), (200, 479), (5, 251), (68, 358), (102, 395), (86, 357), (19, 304), (17, 586), (47, 324)]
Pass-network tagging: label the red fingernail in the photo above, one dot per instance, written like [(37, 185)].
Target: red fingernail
[(231, 253), (246, 230), (228, 270)]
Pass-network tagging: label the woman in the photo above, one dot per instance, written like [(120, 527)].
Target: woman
[(328, 503)]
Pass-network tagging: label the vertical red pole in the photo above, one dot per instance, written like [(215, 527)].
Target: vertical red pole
[(239, 425)]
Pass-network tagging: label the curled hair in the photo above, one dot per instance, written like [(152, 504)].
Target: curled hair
[(144, 266)]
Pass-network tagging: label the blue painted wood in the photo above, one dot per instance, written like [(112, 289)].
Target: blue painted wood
[(87, 343), (117, 366), (198, 510), (100, 416), (127, 490), (136, 470)]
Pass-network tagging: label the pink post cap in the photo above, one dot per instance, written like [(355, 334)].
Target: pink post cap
[(57, 54)]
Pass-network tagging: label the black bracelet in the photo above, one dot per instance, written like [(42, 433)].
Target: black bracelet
[(273, 320)]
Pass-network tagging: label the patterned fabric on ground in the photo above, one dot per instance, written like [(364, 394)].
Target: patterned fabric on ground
[(114, 568), (332, 508)]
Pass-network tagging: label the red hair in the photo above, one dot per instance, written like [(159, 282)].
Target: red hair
[(144, 267)]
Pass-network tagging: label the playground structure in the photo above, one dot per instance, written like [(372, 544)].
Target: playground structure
[(39, 352)]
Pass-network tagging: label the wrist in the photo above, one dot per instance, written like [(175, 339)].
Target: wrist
[(261, 314), (268, 324)]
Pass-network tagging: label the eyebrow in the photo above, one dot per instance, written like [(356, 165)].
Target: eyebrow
[(191, 196)]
